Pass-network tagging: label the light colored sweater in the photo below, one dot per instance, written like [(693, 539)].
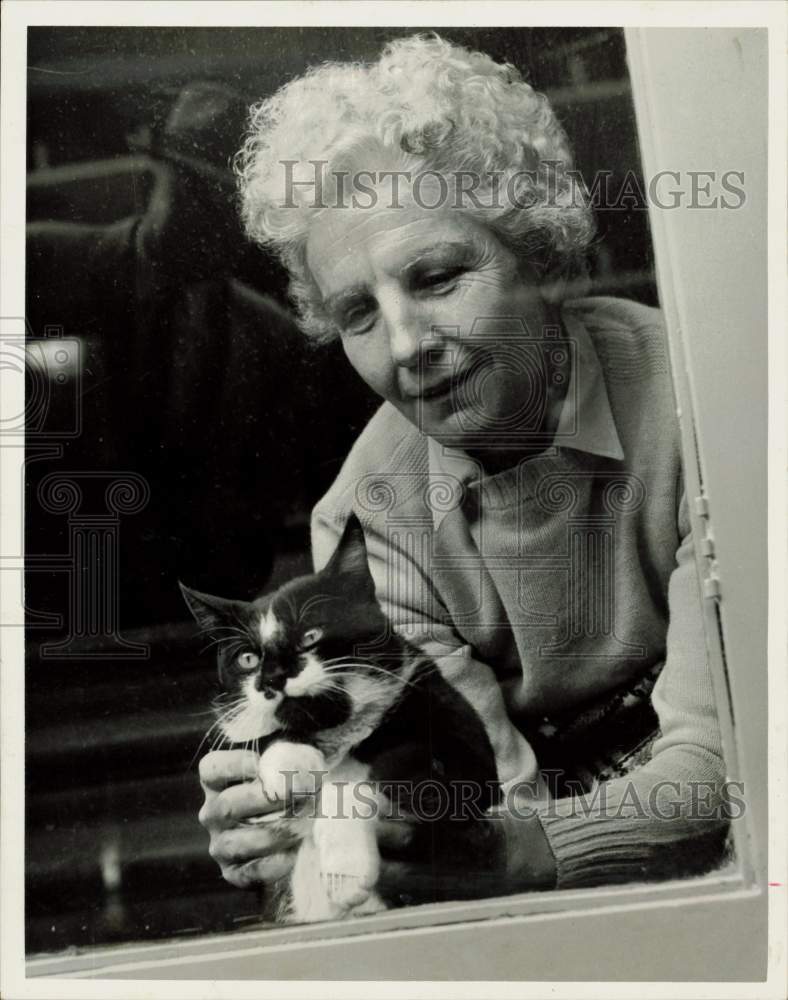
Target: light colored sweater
[(547, 589)]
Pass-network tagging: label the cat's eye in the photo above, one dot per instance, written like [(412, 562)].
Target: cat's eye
[(248, 661), (310, 637)]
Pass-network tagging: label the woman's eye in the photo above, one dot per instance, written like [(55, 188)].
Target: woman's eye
[(248, 661), (312, 636), (437, 281), (358, 320)]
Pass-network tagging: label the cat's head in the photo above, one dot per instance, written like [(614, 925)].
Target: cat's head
[(307, 657)]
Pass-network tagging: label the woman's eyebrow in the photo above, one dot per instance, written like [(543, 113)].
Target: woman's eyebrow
[(448, 250), (334, 303)]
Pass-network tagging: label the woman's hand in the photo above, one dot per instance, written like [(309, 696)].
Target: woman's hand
[(247, 851), (504, 853)]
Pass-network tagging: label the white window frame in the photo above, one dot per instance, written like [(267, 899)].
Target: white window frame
[(708, 928)]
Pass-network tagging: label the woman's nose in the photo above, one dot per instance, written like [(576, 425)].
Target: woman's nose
[(406, 332)]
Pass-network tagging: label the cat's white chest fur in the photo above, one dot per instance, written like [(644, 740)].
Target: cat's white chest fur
[(338, 863)]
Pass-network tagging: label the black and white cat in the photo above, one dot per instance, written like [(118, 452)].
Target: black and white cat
[(317, 671)]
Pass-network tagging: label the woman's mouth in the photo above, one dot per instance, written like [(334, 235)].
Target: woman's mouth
[(440, 391)]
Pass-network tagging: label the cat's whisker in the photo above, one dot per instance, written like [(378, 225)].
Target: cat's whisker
[(233, 710), (230, 715), (347, 668), (369, 661), (360, 658), (222, 702), (329, 686), (223, 633), (232, 643), (230, 712), (220, 739), (203, 740), (354, 661), (356, 672)]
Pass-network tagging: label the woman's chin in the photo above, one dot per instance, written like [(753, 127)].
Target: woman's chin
[(439, 418)]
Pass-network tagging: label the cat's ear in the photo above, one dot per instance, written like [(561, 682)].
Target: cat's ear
[(350, 557), (209, 612)]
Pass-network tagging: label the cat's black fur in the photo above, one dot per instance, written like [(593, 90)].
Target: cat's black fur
[(423, 730)]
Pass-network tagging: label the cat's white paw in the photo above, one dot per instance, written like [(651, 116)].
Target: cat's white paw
[(318, 896), (344, 891), (372, 904), (290, 769), (349, 859)]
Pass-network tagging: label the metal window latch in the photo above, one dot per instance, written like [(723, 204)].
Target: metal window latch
[(711, 581), (702, 505), (711, 587)]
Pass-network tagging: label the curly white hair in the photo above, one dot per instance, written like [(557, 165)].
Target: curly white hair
[(441, 108)]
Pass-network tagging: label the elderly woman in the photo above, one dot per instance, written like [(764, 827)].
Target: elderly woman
[(520, 488)]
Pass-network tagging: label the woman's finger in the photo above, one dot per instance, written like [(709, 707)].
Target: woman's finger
[(241, 805), (246, 843), (268, 869), (240, 801), (227, 767)]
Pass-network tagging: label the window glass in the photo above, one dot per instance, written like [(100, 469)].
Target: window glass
[(187, 430)]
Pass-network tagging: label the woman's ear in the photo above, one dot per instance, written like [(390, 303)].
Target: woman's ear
[(538, 270), (553, 291), (561, 284)]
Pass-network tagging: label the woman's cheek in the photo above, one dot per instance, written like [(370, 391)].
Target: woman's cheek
[(371, 361)]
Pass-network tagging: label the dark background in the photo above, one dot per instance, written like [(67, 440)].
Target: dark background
[(190, 375)]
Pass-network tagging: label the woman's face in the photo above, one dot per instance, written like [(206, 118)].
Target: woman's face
[(436, 316)]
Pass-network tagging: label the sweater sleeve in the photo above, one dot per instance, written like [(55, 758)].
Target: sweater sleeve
[(667, 818)]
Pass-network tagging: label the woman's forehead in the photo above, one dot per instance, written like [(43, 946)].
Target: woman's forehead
[(357, 245)]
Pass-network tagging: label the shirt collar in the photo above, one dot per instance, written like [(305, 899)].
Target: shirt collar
[(585, 424), (586, 421)]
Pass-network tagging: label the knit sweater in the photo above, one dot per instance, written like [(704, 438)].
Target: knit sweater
[(550, 591)]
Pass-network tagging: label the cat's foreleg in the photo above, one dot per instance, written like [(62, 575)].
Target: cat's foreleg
[(338, 863), (346, 838), (310, 901)]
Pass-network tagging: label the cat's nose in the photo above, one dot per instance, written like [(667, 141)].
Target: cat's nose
[(272, 677)]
